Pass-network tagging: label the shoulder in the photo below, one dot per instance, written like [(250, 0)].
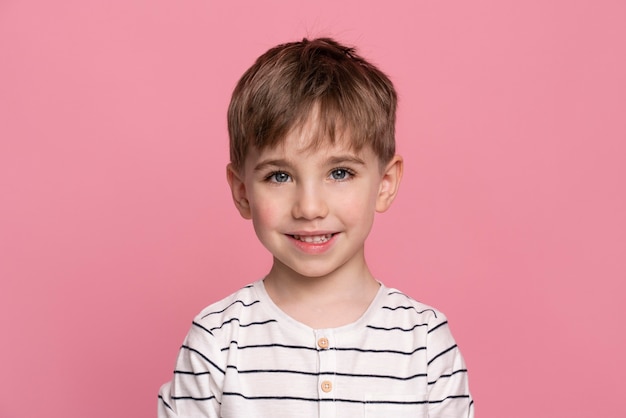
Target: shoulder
[(229, 308), (397, 305), (405, 315), (398, 311), (242, 309)]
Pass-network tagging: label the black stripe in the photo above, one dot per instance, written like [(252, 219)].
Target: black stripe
[(450, 397), (328, 373), (204, 357), (191, 398), (300, 347), (441, 354), (242, 325), (191, 373), (396, 328), (295, 398), (200, 326), (302, 372), (397, 402), (409, 298), (165, 403), (234, 303), (440, 325), (397, 292), (257, 398), (363, 350), (410, 307), (448, 375), (376, 376), (243, 347)]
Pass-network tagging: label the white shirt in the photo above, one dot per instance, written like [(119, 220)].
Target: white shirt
[(244, 357)]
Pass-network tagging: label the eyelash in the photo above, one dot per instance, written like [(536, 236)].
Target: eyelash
[(271, 177), (347, 171)]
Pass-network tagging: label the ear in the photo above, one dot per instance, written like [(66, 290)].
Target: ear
[(238, 190), (389, 183)]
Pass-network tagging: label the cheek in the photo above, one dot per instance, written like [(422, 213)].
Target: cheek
[(358, 205), (265, 213)]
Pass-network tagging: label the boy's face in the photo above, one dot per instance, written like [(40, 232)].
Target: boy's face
[(313, 208)]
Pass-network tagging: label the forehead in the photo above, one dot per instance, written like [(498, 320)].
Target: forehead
[(298, 147)]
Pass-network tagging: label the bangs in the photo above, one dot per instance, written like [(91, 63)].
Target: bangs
[(318, 124)]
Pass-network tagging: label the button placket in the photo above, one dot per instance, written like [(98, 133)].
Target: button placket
[(326, 385)]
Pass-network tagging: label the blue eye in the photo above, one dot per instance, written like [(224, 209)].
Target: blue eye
[(340, 174), (278, 177)]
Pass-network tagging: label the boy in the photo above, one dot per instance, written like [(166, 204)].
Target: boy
[(312, 151)]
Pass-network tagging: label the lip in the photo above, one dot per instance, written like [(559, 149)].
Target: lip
[(316, 242)]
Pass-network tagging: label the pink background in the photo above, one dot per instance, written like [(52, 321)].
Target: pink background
[(116, 225)]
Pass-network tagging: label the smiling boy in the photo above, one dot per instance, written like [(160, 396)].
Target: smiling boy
[(313, 159)]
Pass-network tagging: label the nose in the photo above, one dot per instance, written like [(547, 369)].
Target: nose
[(310, 202)]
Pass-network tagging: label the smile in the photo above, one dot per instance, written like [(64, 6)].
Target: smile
[(313, 239)]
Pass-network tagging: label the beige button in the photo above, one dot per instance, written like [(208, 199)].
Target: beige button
[(327, 386), (323, 343)]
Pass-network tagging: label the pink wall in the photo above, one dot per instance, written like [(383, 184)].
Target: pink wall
[(116, 225)]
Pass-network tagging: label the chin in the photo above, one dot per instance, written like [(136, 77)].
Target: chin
[(316, 271), (312, 273)]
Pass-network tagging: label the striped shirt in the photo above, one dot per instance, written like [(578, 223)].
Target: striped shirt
[(244, 357)]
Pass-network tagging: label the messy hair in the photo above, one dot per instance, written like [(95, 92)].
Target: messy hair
[(290, 82)]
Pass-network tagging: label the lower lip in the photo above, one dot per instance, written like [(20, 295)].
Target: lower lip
[(313, 247)]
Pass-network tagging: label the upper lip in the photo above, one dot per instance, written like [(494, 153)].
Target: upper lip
[(311, 233)]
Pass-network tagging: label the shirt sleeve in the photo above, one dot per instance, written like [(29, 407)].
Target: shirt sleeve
[(448, 394), (195, 389)]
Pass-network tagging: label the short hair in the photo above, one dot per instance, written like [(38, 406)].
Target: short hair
[(290, 81)]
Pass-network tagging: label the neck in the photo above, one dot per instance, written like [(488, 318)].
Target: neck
[(322, 302)]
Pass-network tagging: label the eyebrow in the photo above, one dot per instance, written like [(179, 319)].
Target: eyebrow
[(334, 160), (342, 159), (270, 163)]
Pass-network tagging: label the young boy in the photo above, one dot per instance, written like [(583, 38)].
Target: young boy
[(312, 153)]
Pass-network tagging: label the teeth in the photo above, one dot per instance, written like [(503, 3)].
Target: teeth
[(313, 239)]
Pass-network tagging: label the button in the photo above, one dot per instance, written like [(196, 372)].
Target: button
[(327, 386), (323, 343)]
